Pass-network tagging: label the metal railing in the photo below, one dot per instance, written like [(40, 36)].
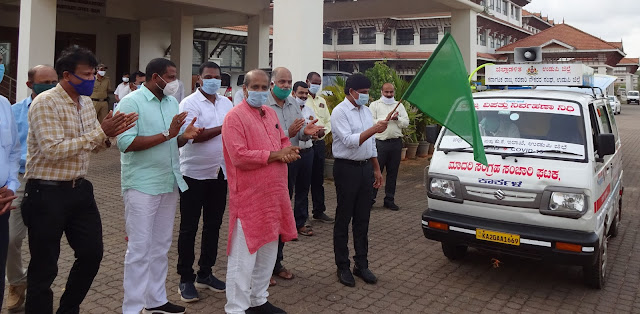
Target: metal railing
[(8, 88)]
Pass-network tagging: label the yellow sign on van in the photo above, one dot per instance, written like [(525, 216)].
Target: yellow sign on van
[(493, 236)]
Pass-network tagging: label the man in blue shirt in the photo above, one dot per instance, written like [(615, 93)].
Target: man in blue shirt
[(40, 79), (151, 178), (9, 164)]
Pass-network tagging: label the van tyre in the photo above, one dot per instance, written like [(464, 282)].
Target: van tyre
[(595, 275), (454, 251), (615, 224)]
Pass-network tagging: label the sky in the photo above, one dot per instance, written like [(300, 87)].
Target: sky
[(609, 20)]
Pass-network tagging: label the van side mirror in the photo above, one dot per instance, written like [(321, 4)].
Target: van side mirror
[(606, 144), (432, 131)]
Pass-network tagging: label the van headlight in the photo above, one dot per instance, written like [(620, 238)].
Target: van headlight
[(566, 204), (444, 188)]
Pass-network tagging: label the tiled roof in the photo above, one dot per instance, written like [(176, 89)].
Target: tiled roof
[(563, 33), (493, 57), (629, 61), (375, 55), (617, 44)]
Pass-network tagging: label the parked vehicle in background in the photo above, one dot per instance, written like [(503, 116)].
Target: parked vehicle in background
[(615, 104), (622, 91), (329, 77), (633, 96)]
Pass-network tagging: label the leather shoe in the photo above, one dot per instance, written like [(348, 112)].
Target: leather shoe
[(365, 274), (346, 278), (391, 206)]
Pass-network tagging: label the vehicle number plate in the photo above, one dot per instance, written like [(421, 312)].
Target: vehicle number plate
[(493, 236)]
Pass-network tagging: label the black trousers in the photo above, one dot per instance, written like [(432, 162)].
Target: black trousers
[(354, 187), (4, 245), (208, 197), (389, 152), (317, 178), (49, 211), (299, 184)]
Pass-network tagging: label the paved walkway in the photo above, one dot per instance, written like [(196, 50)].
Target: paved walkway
[(414, 276)]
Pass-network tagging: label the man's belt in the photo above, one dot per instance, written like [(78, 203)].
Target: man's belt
[(358, 163), (95, 99), (66, 184)]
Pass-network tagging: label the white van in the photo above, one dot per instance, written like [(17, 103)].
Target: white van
[(552, 189), (633, 96)]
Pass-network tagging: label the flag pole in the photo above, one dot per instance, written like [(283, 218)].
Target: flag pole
[(394, 110)]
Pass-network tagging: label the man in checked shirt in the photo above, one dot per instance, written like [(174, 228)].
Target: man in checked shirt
[(63, 131)]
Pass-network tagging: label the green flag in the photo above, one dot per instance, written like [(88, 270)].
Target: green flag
[(441, 90)]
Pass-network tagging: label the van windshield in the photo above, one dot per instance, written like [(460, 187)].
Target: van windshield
[(633, 94), (534, 127)]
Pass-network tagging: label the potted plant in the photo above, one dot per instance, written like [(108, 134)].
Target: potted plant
[(410, 135), (424, 148), (333, 95)]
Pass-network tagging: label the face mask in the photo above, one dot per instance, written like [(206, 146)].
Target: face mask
[(388, 100), (211, 86), (314, 88), (171, 88), (125, 79), (362, 100), (85, 88), (256, 98), (102, 73), (1, 72), (281, 93), (39, 88), (300, 101), (138, 86)]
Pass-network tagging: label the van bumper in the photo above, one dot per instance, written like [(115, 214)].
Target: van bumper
[(535, 242)]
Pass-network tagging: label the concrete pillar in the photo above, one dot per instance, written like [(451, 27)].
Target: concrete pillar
[(297, 38), (356, 36), (155, 38), (629, 80), (257, 54), (379, 41), (182, 46), (36, 41), (464, 31), (416, 38)]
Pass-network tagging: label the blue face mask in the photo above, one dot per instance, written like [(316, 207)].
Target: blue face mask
[(362, 100), (314, 88), (257, 98), (85, 88), (211, 86), (1, 72)]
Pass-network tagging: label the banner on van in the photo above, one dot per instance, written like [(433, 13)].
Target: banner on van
[(540, 75)]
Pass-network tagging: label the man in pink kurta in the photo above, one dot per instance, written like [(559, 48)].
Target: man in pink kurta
[(256, 153)]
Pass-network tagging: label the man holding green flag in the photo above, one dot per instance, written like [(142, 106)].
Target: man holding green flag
[(441, 90)]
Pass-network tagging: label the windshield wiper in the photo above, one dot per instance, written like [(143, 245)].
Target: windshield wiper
[(459, 149), (559, 152)]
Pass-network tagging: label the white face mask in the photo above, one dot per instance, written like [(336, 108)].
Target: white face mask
[(171, 88), (388, 101), (300, 101), (102, 73), (125, 79)]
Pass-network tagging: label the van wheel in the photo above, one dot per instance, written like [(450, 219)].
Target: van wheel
[(615, 224), (454, 251), (595, 275)]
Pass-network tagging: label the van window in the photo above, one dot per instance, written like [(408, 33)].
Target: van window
[(613, 127), (633, 93), (240, 81), (536, 127), (604, 119), (226, 80)]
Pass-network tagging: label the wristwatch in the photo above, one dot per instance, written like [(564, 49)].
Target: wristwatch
[(166, 135)]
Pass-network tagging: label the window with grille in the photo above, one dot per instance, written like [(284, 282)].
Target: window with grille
[(404, 36), (367, 35), (428, 35), (345, 36)]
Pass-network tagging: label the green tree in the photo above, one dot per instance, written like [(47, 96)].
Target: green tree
[(379, 74)]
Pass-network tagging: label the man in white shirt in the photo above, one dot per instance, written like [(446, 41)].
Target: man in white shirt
[(238, 97), (389, 142), (124, 88), (319, 105), (202, 165), (356, 173)]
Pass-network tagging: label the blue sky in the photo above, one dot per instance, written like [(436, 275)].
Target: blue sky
[(597, 17)]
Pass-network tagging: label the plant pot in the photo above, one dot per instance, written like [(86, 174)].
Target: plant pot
[(423, 149), (403, 153), (328, 168), (412, 149)]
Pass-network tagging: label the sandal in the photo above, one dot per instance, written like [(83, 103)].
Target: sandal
[(285, 274), (305, 231)]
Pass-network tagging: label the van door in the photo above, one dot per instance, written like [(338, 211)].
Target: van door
[(605, 185)]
